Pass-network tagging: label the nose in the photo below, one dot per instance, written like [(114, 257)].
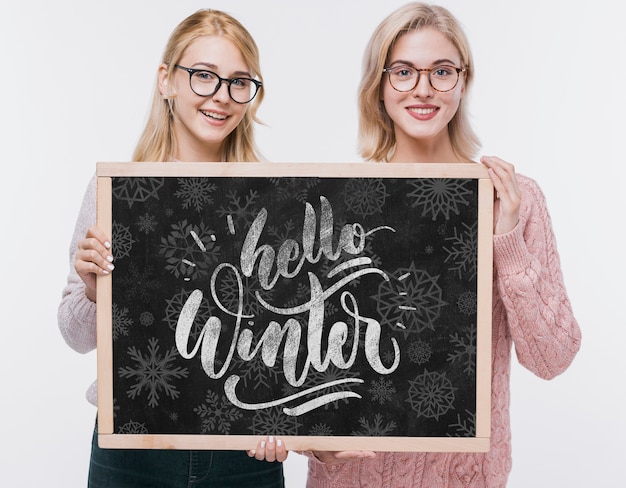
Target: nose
[(222, 95), (423, 89)]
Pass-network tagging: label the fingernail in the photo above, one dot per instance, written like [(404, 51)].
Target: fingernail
[(107, 244), (262, 444), (279, 443), (105, 272), (111, 267), (271, 439), (110, 259)]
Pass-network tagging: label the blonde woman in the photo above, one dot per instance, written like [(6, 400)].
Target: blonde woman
[(209, 87), (417, 72)]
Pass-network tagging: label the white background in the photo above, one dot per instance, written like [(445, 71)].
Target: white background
[(76, 82)]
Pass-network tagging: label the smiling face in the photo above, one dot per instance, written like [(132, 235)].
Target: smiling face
[(421, 116), (202, 124)]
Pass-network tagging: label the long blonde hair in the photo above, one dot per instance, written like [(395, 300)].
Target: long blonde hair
[(158, 142), (377, 140)]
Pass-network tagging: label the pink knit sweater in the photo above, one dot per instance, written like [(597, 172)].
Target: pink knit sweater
[(532, 311)]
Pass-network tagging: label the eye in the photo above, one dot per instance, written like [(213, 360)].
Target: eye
[(403, 72), (443, 71), (205, 76), (240, 83)]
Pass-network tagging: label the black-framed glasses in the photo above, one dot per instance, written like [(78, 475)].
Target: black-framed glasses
[(205, 83), (442, 78)]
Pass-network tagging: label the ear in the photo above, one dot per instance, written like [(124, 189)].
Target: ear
[(163, 80)]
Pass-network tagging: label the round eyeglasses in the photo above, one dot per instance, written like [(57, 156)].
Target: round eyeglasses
[(205, 83), (442, 78)]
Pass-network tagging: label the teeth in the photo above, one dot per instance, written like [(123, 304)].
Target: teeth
[(422, 111), (214, 115)]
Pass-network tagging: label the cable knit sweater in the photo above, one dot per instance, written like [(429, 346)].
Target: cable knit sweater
[(530, 310)]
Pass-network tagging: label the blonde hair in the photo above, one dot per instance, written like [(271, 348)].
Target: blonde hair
[(158, 142), (376, 135)]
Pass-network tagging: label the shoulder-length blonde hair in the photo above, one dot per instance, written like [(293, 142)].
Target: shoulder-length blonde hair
[(158, 142), (377, 140)]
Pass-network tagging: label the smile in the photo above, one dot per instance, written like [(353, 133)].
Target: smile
[(214, 115), (422, 111)]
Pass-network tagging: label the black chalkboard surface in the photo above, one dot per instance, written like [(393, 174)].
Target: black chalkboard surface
[(324, 303)]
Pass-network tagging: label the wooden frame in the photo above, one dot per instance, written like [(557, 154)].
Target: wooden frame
[(478, 437)]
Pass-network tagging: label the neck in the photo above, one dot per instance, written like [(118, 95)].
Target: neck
[(432, 150)]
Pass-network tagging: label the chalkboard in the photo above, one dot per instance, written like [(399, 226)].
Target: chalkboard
[(324, 303)]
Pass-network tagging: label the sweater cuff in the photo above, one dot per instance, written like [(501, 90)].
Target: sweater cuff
[(510, 254)]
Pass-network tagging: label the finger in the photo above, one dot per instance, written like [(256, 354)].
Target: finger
[(260, 450), (270, 449), (91, 261), (251, 452), (281, 451)]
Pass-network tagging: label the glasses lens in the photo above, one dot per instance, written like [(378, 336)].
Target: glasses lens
[(242, 90), (444, 78), (204, 83), (403, 78)]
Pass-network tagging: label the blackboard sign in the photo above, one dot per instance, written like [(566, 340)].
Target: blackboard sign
[(324, 303)]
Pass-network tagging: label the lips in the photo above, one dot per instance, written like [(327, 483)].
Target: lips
[(424, 112), (214, 115)]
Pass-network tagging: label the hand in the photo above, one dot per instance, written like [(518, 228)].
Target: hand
[(335, 457), (93, 258), (270, 450), (508, 196)]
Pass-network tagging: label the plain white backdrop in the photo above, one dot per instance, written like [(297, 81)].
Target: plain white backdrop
[(76, 82)]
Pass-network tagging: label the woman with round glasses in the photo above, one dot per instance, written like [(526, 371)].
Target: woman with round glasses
[(209, 87), (417, 72)]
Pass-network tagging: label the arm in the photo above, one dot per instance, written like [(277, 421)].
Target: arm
[(77, 310), (530, 283)]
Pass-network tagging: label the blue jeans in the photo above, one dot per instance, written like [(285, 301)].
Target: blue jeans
[(155, 468)]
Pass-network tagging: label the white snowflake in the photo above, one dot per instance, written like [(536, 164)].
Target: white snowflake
[(365, 196), (273, 421), (132, 427), (147, 223), (120, 321), (136, 189), (184, 257), (122, 240), (419, 352), (382, 390)]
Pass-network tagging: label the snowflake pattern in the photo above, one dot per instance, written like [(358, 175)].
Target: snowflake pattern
[(217, 414), (175, 304), (122, 240), (135, 190), (439, 196), (411, 301), (463, 251), (228, 287), (365, 196), (147, 223), (378, 428), (132, 427), (320, 430), (293, 188), (146, 319), (185, 258), (419, 352), (242, 210), (464, 427), (464, 351), (273, 421), (382, 390), (153, 372), (431, 395), (137, 282), (466, 303), (195, 192), (121, 321)]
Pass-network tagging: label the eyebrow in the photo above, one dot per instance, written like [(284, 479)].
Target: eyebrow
[(434, 63), (214, 68)]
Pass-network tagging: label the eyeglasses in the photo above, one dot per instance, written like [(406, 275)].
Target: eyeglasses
[(206, 83), (442, 78)]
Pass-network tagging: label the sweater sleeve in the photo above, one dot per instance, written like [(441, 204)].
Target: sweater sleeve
[(77, 314), (530, 283)]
